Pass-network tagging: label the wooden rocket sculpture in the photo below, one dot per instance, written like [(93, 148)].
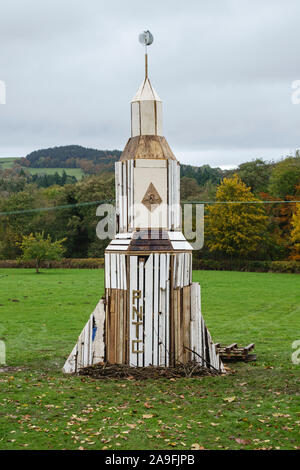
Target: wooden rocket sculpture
[(151, 312)]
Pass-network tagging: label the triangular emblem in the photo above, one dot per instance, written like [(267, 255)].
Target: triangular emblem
[(151, 199)]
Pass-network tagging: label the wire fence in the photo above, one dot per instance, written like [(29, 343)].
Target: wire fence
[(111, 201)]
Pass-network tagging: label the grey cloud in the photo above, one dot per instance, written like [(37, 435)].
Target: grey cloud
[(223, 69)]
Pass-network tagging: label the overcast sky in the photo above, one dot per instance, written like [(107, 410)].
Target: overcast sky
[(223, 68)]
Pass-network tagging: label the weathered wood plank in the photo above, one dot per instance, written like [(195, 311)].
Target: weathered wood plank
[(155, 310), (148, 339), (133, 303)]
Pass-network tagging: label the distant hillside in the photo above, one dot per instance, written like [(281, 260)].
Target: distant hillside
[(72, 156)]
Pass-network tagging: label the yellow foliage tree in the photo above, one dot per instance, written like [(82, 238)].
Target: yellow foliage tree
[(295, 232), (236, 230)]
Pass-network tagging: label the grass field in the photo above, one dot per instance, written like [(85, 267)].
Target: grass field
[(50, 171), (8, 162), (257, 407)]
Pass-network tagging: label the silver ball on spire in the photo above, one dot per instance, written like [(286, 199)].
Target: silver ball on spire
[(146, 38)]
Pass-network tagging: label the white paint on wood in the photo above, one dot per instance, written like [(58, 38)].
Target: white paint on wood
[(176, 236), (146, 111), (148, 328), (155, 309), (125, 221), (86, 351), (181, 245), (143, 217), (123, 269), (113, 270), (107, 270), (141, 308), (129, 192), (162, 311), (135, 119), (167, 328), (133, 266), (150, 163), (120, 242), (117, 247), (124, 236)]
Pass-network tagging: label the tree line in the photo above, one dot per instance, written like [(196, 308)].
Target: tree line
[(250, 230), (71, 156)]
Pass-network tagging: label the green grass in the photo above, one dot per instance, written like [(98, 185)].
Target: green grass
[(50, 171), (40, 408), (7, 162)]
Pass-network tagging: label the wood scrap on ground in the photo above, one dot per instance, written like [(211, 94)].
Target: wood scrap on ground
[(234, 353), (124, 371)]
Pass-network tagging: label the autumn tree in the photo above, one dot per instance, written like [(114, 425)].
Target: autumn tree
[(255, 174), (40, 248), (236, 230), (295, 232), (285, 177)]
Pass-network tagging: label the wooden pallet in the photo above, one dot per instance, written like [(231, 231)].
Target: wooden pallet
[(233, 353)]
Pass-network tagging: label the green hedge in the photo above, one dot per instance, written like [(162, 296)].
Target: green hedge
[(248, 266), (209, 264), (84, 263)]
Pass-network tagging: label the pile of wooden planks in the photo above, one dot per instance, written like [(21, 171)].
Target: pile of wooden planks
[(233, 353)]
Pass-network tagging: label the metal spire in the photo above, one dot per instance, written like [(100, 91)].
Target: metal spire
[(146, 38)]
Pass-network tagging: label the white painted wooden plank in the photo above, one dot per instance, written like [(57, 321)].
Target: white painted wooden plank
[(80, 350), (162, 328), (176, 236), (120, 242), (124, 235), (174, 196), (129, 189), (167, 266), (170, 194), (141, 307), (199, 336), (117, 248), (181, 245), (70, 364), (118, 176), (118, 273), (155, 310), (90, 340), (150, 163), (133, 267), (131, 164), (107, 270), (123, 271), (174, 270), (176, 282), (167, 309), (178, 195), (98, 343), (162, 311), (187, 269), (193, 323), (163, 271), (177, 222), (181, 268), (167, 331), (117, 186), (125, 227), (113, 271), (204, 350), (148, 340), (86, 345)]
